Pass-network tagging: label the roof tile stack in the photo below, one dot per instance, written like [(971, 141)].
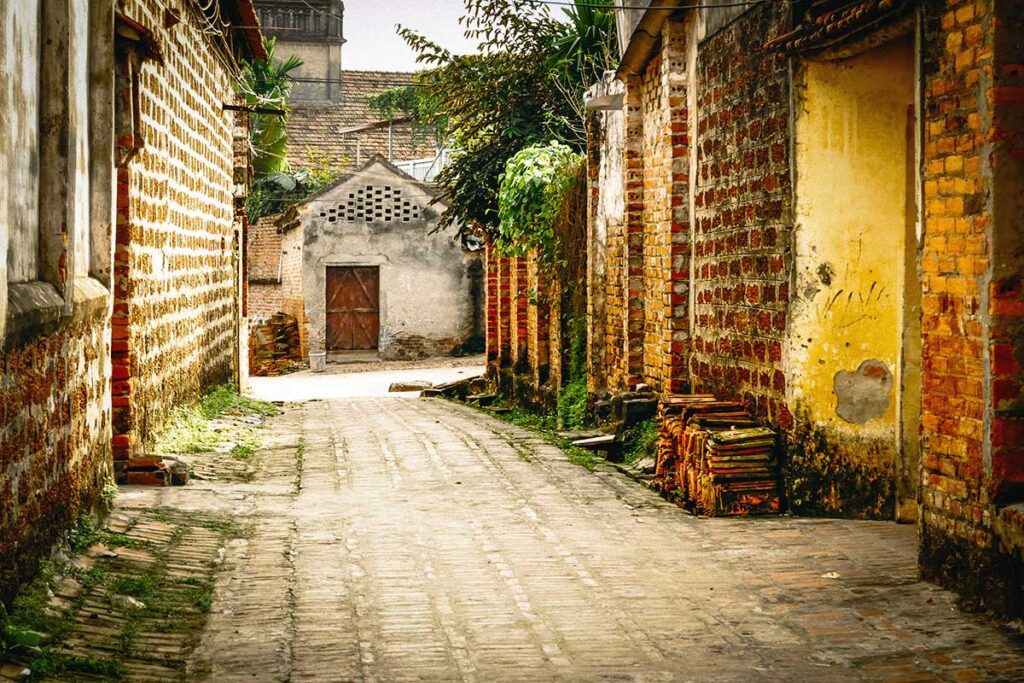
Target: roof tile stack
[(714, 459)]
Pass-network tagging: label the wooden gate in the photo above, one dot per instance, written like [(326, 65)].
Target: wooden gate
[(353, 307)]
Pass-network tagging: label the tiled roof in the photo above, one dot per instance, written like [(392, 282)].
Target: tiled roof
[(826, 22), (317, 125)]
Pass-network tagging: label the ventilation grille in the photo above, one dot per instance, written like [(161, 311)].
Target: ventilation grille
[(373, 205)]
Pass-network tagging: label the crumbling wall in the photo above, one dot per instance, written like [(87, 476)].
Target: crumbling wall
[(854, 117), (971, 303)]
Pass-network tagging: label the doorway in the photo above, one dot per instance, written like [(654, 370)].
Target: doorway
[(855, 333), (353, 308)]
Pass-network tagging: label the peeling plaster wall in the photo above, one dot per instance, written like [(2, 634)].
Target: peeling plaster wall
[(606, 208), (844, 336), (19, 133), (425, 301)]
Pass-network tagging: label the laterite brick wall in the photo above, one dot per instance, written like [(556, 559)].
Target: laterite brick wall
[(175, 274), (54, 391)]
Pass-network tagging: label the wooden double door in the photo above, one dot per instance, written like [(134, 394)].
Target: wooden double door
[(353, 308)]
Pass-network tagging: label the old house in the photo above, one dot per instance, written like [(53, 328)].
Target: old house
[(330, 116), (814, 208), (120, 292), (364, 269)]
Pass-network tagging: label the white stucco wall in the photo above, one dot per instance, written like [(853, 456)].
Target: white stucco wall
[(424, 281)]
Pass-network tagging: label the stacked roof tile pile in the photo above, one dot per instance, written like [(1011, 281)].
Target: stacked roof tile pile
[(274, 347), (670, 429), (738, 473), (714, 459)]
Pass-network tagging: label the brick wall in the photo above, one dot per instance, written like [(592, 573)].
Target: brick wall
[(524, 347), (55, 439), (491, 306), (292, 301), (175, 278), (741, 258), (971, 302), (264, 269)]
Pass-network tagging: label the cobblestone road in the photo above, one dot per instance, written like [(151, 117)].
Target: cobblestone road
[(401, 539)]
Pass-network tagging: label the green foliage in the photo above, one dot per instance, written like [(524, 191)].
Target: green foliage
[(16, 641), (189, 429), (413, 102), (276, 192), (574, 397), (533, 188), (142, 587), (640, 441), (85, 533), (572, 404), (268, 84), (225, 399), (581, 53), (524, 87)]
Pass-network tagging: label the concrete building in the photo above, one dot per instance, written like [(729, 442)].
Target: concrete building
[(119, 291), (365, 270), (816, 210)]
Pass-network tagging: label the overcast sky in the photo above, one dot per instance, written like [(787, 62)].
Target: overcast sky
[(371, 41)]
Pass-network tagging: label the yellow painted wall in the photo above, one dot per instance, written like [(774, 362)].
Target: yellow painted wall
[(851, 214)]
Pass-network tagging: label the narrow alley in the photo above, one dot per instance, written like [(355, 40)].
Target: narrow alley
[(511, 340), (415, 539)]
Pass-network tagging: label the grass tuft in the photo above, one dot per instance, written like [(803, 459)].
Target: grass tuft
[(640, 441), (189, 431)]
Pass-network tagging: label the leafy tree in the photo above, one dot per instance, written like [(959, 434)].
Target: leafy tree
[(268, 84), (275, 192), (524, 87)]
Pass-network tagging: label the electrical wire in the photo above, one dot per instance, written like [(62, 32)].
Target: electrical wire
[(597, 5)]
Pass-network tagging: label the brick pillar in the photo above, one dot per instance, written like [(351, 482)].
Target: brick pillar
[(677, 142), (491, 259), (123, 359), (537, 321), (633, 257), (1006, 292), (522, 302), (973, 299), (597, 370), (504, 316)]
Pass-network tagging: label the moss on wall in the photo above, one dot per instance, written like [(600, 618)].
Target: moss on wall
[(825, 473)]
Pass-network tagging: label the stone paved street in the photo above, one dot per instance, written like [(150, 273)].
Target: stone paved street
[(399, 539)]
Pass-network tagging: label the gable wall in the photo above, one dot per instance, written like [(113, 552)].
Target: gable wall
[(425, 304)]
